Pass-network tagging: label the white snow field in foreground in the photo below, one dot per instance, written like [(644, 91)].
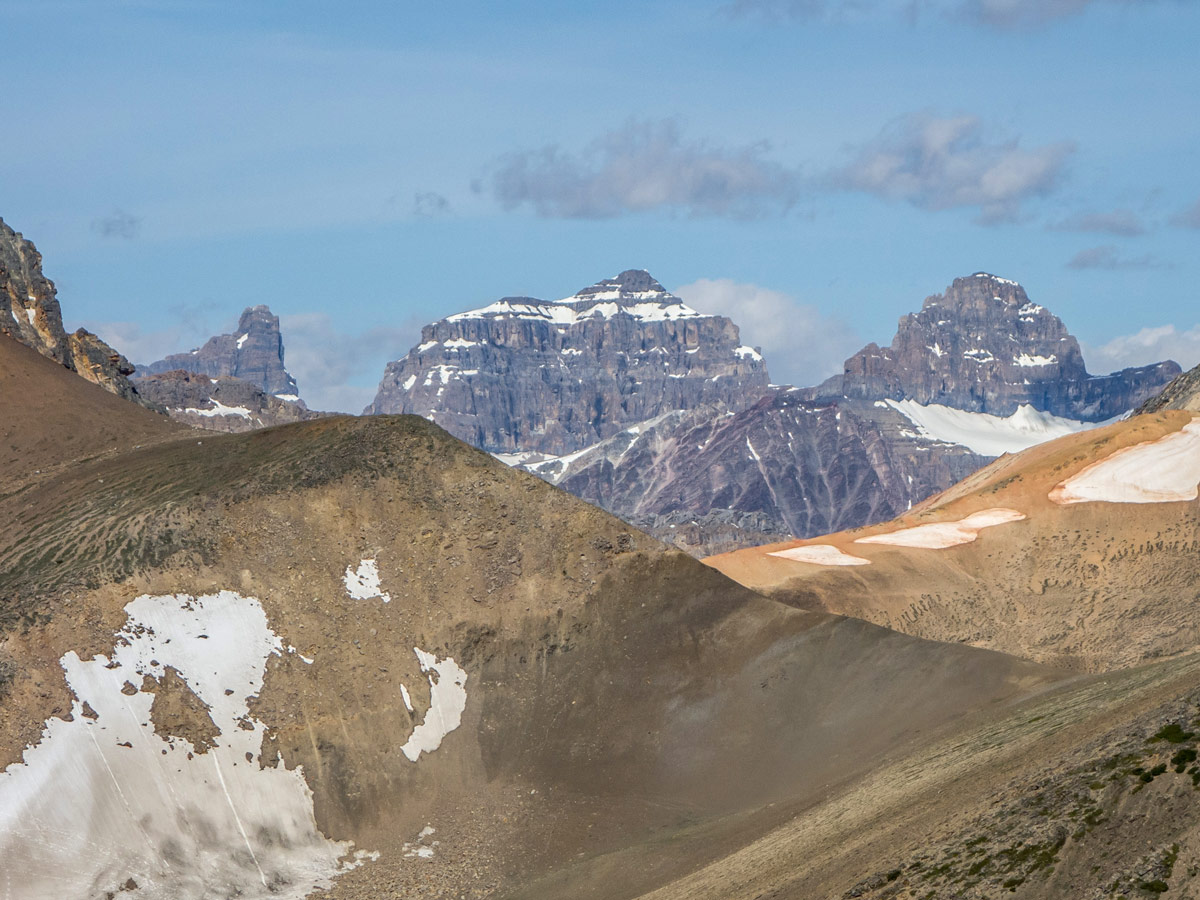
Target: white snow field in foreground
[(985, 434), (1160, 471), (939, 535), (820, 555), (447, 700), (104, 798), (364, 584)]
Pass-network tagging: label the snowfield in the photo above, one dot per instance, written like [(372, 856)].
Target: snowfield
[(219, 409), (1160, 471), (939, 535), (363, 584), (104, 797), (447, 700), (820, 555), (985, 434)]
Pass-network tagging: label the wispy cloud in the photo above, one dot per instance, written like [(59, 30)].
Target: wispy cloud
[(641, 167), (1016, 14), (947, 162), (1000, 14), (118, 224), (428, 204), (1120, 222), (1149, 345), (1107, 256), (1188, 218), (801, 345)]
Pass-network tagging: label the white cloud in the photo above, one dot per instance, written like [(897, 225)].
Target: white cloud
[(336, 371), (802, 346), (946, 162), (645, 166), (1149, 345)]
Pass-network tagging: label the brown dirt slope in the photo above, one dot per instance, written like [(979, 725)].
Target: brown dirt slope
[(619, 692), (1092, 586), (50, 417), (1089, 791)]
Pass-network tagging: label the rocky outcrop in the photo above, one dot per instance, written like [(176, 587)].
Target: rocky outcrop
[(253, 353), (984, 346), (30, 313), (526, 375), (1182, 393), (222, 403), (709, 481)]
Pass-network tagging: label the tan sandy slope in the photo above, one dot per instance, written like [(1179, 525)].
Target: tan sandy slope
[(1092, 586)]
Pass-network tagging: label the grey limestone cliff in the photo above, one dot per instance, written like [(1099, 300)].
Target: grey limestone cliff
[(526, 375), (984, 346), (253, 353), (30, 313)]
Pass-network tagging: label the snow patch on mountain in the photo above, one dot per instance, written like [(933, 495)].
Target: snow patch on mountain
[(1160, 471), (820, 555), (104, 798), (939, 535), (986, 434), (447, 700), (363, 583)]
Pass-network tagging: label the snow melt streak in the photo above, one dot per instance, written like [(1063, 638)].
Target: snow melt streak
[(939, 535), (821, 555), (1160, 471), (103, 798)]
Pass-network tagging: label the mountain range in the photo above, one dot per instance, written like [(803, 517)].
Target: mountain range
[(624, 396), (357, 658)]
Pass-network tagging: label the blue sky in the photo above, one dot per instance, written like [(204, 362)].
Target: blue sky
[(813, 168)]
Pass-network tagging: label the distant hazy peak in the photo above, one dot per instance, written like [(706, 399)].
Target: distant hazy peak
[(254, 353)]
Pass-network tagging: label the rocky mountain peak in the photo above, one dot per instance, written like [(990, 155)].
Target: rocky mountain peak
[(30, 313), (984, 346), (526, 375), (630, 285), (253, 353)]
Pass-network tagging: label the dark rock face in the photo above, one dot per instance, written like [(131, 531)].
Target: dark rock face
[(220, 404), (30, 313), (253, 353), (983, 346), (1182, 393), (555, 377), (784, 467)]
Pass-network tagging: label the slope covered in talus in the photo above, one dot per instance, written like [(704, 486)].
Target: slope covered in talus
[(223, 403), (530, 376), (1082, 552), (30, 313), (355, 655), (709, 481), (1182, 393)]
